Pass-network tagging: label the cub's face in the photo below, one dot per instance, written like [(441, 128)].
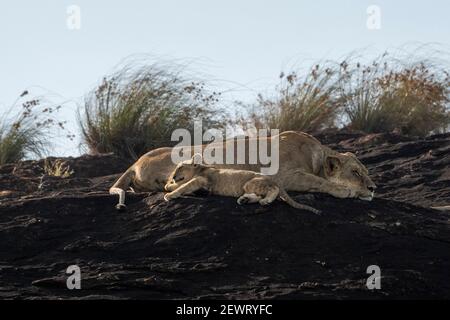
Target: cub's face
[(184, 172)]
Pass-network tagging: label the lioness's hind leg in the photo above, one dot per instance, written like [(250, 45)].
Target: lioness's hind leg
[(121, 185), (121, 205), (271, 194), (248, 198)]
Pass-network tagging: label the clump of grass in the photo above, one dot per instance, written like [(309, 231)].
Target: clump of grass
[(137, 108), (57, 168), (308, 103), (389, 94), (26, 133), (402, 93)]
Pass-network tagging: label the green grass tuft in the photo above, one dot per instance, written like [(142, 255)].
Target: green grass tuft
[(26, 133), (137, 108)]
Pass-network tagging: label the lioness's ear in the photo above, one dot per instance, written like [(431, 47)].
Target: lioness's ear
[(355, 158), (197, 158), (332, 165)]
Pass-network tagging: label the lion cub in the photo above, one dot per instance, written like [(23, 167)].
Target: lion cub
[(249, 186)]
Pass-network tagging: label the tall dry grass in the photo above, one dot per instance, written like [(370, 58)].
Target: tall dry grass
[(25, 129), (403, 93), (137, 108), (301, 102), (391, 94)]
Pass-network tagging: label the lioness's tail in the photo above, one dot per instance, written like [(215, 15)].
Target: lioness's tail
[(285, 197), (121, 185)]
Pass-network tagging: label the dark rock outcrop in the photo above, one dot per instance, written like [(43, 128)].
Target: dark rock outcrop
[(209, 247)]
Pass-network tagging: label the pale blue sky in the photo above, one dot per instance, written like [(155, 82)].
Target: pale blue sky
[(246, 42)]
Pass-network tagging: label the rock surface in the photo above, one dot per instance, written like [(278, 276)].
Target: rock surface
[(202, 247)]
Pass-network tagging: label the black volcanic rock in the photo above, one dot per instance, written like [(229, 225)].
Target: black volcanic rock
[(209, 247)]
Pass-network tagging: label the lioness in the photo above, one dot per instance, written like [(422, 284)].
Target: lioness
[(305, 166), (249, 186)]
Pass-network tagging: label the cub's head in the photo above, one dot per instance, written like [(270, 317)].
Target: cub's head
[(345, 169), (185, 171)]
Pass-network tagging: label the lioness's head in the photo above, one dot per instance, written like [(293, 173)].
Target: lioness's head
[(185, 171), (345, 169)]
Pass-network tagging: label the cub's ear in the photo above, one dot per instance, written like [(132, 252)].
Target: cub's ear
[(332, 165), (197, 159), (350, 154)]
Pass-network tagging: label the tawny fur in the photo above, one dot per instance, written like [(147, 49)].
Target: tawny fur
[(305, 166), (249, 186)]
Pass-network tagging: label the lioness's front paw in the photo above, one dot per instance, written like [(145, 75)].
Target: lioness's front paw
[(243, 200), (170, 187), (351, 193), (345, 192), (264, 202)]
